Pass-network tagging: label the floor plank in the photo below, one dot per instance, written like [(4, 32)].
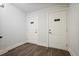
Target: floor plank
[(30, 49)]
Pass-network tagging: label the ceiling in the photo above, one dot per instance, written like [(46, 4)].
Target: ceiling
[(30, 7)]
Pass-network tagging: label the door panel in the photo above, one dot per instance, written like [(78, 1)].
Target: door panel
[(57, 30)]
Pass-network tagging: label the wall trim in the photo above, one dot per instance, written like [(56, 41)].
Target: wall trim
[(38, 43), (71, 52), (11, 47)]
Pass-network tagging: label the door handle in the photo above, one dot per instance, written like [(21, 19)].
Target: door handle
[(49, 29)]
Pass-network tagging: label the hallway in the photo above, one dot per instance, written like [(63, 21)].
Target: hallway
[(53, 25)]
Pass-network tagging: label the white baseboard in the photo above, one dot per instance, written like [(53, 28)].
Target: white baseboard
[(71, 52), (39, 43), (3, 51), (11, 47)]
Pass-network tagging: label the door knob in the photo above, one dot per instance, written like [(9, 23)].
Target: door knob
[(49, 29)]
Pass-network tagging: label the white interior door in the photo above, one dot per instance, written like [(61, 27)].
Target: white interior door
[(57, 30), (32, 29)]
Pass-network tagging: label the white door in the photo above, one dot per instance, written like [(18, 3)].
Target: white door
[(57, 30), (32, 29)]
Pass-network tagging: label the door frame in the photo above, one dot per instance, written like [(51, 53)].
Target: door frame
[(65, 9)]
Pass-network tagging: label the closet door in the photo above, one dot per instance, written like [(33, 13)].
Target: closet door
[(32, 29)]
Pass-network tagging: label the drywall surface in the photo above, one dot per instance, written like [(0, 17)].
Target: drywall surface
[(42, 16), (74, 29), (0, 23), (12, 27)]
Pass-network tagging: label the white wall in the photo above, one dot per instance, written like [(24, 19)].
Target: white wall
[(74, 29), (0, 23), (12, 27), (43, 22)]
